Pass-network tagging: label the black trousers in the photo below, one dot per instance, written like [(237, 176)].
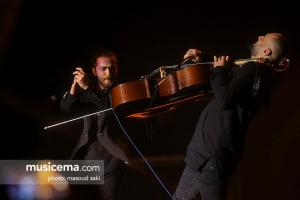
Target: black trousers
[(121, 181), (106, 191), (114, 170), (207, 184)]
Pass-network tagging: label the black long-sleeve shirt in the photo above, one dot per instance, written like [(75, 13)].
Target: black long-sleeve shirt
[(221, 128)]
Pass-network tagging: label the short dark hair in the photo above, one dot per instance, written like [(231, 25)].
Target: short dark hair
[(104, 53)]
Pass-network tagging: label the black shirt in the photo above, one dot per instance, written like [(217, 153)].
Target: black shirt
[(221, 128), (102, 137)]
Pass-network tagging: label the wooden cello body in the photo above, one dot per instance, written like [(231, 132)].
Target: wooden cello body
[(158, 94)]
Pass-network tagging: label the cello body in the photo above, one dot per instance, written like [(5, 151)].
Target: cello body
[(153, 93)]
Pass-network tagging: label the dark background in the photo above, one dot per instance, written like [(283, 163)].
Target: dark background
[(42, 41)]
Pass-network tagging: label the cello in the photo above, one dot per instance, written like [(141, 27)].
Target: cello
[(176, 85), (153, 95)]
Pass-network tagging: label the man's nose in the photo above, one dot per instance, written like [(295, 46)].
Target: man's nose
[(108, 71)]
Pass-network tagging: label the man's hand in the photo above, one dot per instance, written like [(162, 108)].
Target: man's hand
[(80, 78), (193, 54), (220, 61)]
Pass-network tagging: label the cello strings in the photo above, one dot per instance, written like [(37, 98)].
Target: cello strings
[(176, 66)]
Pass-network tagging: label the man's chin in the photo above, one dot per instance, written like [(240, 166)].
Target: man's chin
[(107, 84)]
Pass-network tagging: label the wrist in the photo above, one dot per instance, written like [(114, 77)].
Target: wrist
[(85, 87)]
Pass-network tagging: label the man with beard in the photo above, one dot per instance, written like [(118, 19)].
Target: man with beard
[(102, 138), (217, 143)]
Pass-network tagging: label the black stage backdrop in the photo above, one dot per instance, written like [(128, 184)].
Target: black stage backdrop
[(41, 42)]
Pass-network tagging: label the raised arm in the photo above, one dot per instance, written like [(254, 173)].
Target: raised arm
[(227, 92)]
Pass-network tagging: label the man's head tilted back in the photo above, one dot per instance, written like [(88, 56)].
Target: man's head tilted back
[(272, 46)]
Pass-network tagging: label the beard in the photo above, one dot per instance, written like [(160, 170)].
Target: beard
[(106, 82), (253, 49), (256, 49)]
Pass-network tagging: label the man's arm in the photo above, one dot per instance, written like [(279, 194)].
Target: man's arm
[(228, 92), (69, 100), (83, 101), (72, 97)]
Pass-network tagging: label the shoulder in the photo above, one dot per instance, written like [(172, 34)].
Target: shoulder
[(249, 66), (248, 69)]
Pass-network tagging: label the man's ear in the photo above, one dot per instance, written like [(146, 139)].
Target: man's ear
[(94, 71), (267, 52)]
